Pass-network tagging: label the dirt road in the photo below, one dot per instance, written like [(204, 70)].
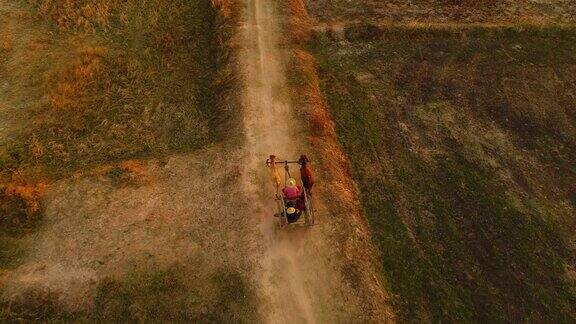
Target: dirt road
[(300, 272)]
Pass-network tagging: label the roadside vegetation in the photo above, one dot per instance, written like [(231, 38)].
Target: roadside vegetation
[(462, 141), (94, 87)]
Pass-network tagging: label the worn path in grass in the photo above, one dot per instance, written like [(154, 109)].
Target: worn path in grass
[(301, 273)]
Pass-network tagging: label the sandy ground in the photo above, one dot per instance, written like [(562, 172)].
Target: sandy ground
[(301, 270), (183, 213)]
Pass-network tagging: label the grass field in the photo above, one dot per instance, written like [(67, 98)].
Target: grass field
[(92, 83), (463, 143), (114, 80), (95, 86)]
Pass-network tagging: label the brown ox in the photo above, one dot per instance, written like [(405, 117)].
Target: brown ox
[(306, 174)]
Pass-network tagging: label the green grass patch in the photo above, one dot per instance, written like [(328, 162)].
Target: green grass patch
[(463, 143), (115, 80)]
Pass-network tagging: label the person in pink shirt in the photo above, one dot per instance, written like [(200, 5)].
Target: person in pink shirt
[(294, 204), (292, 191)]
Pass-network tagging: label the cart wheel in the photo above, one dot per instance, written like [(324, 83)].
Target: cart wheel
[(307, 218), (282, 212), (309, 210), (310, 216)]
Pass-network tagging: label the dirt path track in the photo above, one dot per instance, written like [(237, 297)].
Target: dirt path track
[(300, 272)]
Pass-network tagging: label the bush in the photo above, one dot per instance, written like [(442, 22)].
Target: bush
[(20, 206)]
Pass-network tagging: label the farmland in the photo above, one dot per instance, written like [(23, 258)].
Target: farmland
[(106, 101), (443, 11), (462, 142)]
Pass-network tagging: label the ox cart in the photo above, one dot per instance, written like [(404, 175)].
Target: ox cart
[(291, 210)]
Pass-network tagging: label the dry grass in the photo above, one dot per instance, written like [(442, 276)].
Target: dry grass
[(125, 173), (135, 169), (227, 122), (321, 125), (226, 8), (29, 194), (72, 14), (360, 255), (20, 204), (298, 22), (73, 84), (320, 121)]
